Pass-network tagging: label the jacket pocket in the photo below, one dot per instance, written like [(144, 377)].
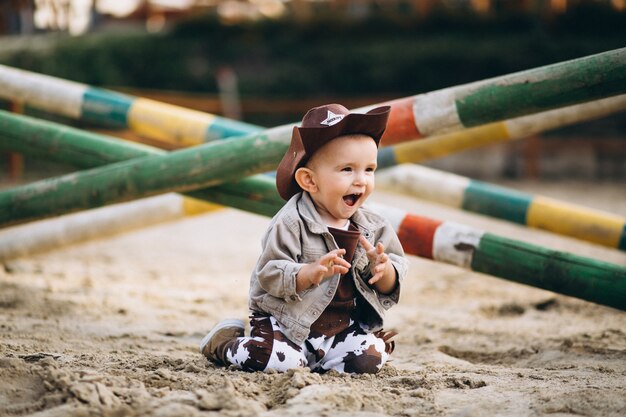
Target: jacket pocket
[(310, 255)]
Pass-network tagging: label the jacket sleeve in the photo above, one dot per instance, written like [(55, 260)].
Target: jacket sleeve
[(278, 265), (393, 248)]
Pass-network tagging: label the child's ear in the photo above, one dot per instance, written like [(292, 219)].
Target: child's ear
[(304, 178)]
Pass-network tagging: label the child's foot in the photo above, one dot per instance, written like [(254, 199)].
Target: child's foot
[(213, 345)]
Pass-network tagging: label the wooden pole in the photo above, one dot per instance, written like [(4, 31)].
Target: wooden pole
[(503, 203), (513, 95), (447, 242), (440, 145), (561, 272), (183, 170), (159, 121), (451, 109), (40, 236)]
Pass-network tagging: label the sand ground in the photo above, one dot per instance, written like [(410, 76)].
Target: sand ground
[(111, 328)]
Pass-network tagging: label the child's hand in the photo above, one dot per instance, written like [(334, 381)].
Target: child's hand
[(325, 267), (380, 267)]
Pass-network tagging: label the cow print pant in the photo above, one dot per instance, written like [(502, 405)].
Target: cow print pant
[(354, 350)]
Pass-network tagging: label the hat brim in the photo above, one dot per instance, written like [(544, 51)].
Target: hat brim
[(306, 141)]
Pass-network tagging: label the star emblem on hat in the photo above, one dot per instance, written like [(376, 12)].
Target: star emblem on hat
[(332, 119)]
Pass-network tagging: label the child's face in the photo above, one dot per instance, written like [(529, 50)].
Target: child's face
[(342, 172)]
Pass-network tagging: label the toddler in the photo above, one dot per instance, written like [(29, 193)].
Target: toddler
[(329, 267)]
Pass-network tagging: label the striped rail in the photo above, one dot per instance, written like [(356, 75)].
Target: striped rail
[(444, 144), (149, 118), (527, 92), (44, 235), (500, 202), (452, 243), (509, 96)]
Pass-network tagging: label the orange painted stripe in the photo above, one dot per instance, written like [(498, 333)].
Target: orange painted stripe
[(401, 124), (416, 235)]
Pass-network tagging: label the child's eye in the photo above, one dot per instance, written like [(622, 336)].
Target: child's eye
[(370, 169), (346, 169)]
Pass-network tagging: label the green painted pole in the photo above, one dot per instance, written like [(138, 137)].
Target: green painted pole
[(551, 270), (536, 90), (184, 170), (81, 149), (60, 143), (256, 194), (584, 79)]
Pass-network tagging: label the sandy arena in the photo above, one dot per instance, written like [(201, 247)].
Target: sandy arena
[(111, 328)]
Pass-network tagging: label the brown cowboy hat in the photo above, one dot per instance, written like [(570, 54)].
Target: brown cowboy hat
[(319, 126)]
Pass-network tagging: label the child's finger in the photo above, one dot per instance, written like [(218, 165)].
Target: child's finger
[(341, 262), (382, 258), (374, 279), (339, 269), (380, 248), (365, 243)]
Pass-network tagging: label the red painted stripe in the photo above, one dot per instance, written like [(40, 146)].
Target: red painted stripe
[(416, 235), (401, 125)]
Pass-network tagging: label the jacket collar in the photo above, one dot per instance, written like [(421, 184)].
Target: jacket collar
[(364, 219)]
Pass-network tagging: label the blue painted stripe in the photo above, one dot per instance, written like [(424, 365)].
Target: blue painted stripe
[(106, 108), (224, 128), (495, 201), (387, 157)]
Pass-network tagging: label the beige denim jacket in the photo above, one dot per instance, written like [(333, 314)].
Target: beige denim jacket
[(297, 236)]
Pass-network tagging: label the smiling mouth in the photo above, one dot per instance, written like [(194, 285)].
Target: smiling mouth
[(351, 199)]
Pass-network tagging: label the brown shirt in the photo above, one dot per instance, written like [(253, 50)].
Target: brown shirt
[(336, 317)]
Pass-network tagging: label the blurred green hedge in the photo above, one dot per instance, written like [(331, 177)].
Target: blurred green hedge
[(389, 55)]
